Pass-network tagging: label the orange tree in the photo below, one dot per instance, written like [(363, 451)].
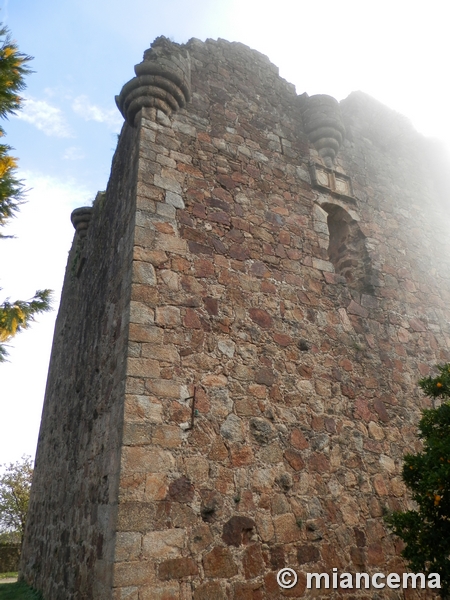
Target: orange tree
[(18, 314), (426, 530)]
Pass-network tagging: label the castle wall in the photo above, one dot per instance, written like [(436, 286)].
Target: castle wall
[(288, 287), (305, 378), (69, 543)]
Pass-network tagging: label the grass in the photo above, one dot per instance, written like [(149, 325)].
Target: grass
[(18, 591), (7, 575)]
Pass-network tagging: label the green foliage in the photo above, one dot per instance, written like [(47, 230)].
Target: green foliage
[(13, 69), (14, 316), (426, 531), (437, 387), (15, 486), (9, 538), (18, 591), (18, 315)]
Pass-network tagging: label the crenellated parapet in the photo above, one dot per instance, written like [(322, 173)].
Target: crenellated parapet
[(324, 126), (163, 81)]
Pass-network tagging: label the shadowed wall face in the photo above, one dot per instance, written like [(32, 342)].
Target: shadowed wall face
[(69, 544), (288, 276)]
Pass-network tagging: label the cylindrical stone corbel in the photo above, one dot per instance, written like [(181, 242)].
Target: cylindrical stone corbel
[(163, 81), (81, 217), (324, 126)]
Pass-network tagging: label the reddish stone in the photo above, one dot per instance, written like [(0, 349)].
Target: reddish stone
[(271, 585), (198, 210), (248, 591), (380, 485), (164, 228), (330, 557), (203, 137), (361, 409), (236, 530), (360, 537), (424, 369), (176, 568), (239, 252), (295, 460), (241, 456), (305, 371), (346, 364), (333, 278), (185, 168), (282, 339), (202, 403), (417, 325), (180, 265), (191, 319), (356, 309), (252, 561), (330, 425), (380, 408), (219, 563), (277, 558), (209, 590), (298, 440), (222, 194), (226, 181), (235, 235), (358, 556), (196, 248), (307, 554), (218, 450), (268, 287), (348, 391), (181, 490), (219, 217), (241, 224), (219, 246), (332, 511), (317, 423), (375, 554), (373, 446), (259, 269), (371, 383), (319, 462), (203, 268), (261, 317), (284, 237), (265, 377), (212, 306)]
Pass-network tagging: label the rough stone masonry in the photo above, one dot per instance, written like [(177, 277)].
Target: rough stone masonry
[(246, 311)]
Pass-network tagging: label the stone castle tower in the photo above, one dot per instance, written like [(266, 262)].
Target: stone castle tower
[(245, 314)]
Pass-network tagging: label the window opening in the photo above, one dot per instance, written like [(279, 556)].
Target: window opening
[(347, 249)]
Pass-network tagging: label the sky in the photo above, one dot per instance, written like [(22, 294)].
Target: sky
[(84, 51)]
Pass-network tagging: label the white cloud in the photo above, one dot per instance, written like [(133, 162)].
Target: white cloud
[(43, 234), (73, 153), (91, 112), (45, 117), (35, 259)]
